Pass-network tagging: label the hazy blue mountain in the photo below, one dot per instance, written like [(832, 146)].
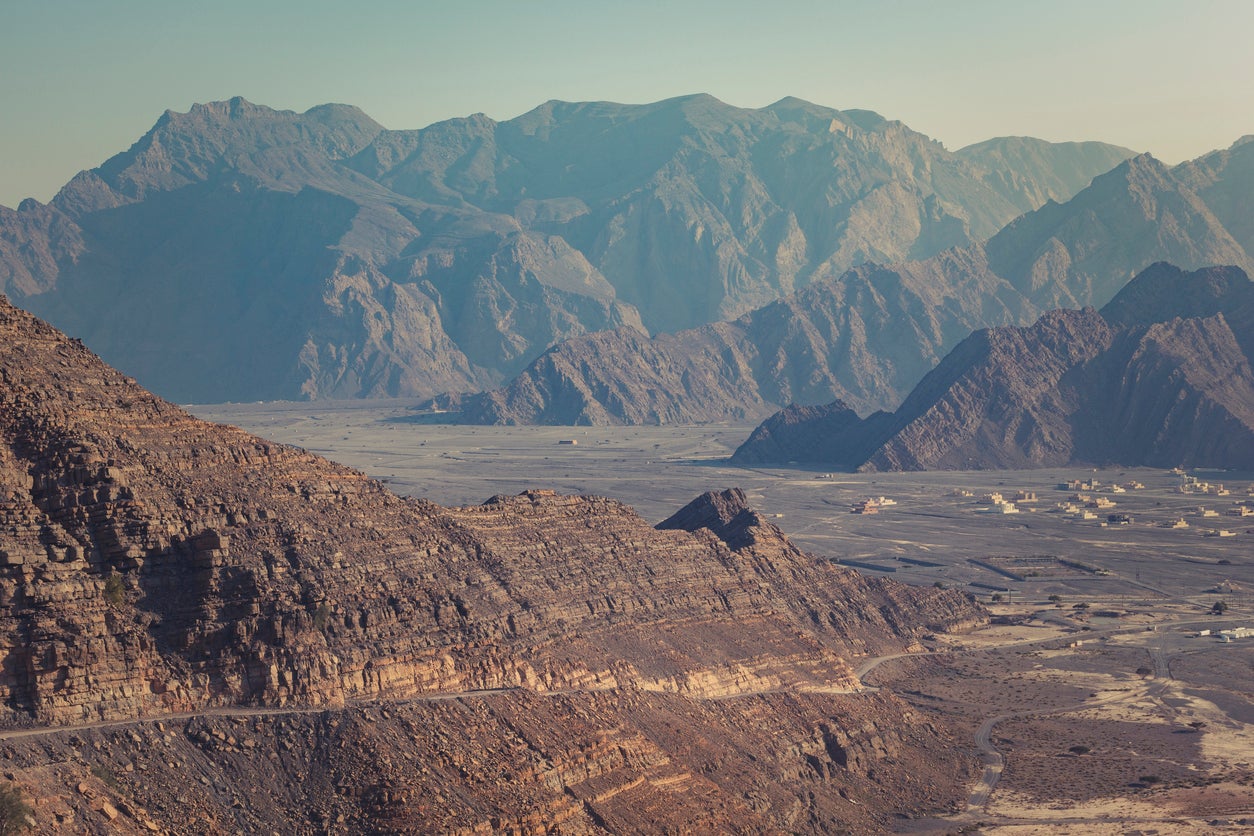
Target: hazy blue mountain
[(230, 254), (698, 211), (867, 336), (1082, 252), (239, 252)]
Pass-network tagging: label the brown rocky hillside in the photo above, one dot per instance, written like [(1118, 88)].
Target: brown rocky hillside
[(312, 652)]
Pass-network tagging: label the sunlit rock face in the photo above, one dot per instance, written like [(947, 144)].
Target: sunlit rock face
[(535, 662)]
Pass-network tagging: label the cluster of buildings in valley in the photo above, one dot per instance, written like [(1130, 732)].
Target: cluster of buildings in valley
[(871, 505), (1094, 485), (1194, 484), (1228, 636), (1092, 500), (997, 503)]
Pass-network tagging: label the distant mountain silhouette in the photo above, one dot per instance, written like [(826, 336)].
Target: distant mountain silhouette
[(237, 252)]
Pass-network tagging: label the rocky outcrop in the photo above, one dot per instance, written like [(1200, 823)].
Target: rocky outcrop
[(531, 660), (833, 435), (241, 253), (1133, 385)]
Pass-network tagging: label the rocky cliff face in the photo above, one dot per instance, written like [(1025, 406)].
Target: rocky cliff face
[(239, 253), (616, 761), (866, 337), (552, 658), (1133, 385)]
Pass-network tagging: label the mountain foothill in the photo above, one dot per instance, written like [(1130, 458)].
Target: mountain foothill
[(1159, 377), (204, 631)]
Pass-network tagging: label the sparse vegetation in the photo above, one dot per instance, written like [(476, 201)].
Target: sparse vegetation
[(321, 616), (1079, 750), (1219, 607), (15, 814), (106, 776), (114, 589)]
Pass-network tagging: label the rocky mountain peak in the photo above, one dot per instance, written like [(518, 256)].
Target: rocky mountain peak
[(1161, 375), (1163, 291), (276, 147), (725, 513)]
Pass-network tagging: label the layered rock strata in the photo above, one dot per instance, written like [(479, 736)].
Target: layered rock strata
[(540, 658)]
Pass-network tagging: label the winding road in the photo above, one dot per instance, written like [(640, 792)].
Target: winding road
[(993, 760)]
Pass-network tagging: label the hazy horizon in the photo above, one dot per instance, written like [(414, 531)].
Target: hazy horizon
[(80, 82)]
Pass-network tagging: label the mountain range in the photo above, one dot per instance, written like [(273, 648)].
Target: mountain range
[(1160, 377), (237, 252), (867, 336), (312, 652)]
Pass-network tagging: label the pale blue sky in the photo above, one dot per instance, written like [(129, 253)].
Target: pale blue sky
[(81, 80)]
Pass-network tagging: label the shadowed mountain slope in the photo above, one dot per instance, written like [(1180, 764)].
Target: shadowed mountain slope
[(547, 655), (1161, 377)]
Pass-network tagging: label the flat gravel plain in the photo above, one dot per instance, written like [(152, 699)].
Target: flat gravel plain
[(659, 469)]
